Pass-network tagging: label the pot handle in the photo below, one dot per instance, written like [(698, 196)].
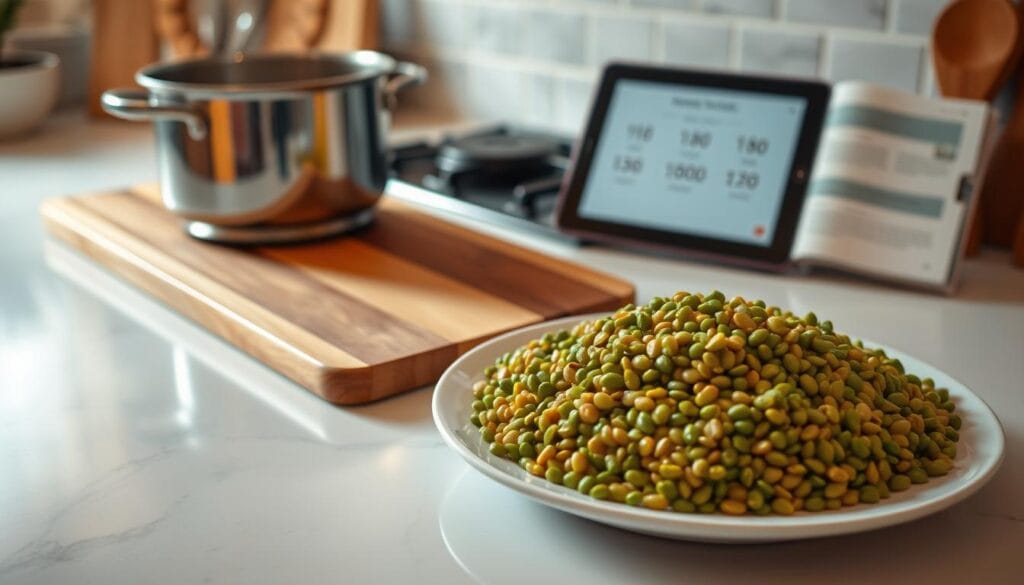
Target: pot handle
[(404, 75), (133, 104)]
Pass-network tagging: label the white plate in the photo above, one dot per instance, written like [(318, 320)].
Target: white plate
[(980, 452)]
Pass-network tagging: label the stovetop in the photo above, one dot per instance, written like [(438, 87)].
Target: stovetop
[(501, 174)]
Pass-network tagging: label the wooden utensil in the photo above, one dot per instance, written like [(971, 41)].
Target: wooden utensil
[(1018, 244), (350, 25), (352, 319), (975, 46), (1003, 194), (1003, 188), (341, 25), (294, 25), (291, 25), (119, 50)]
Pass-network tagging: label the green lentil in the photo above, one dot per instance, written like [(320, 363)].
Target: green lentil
[(554, 475), (695, 404), (571, 480), (814, 504), (917, 475), (870, 494), (739, 412), (899, 483), (634, 498)]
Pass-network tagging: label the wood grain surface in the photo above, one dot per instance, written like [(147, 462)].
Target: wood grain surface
[(353, 319), (123, 40)]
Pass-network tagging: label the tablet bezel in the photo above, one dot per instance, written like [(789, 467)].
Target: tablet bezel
[(817, 96)]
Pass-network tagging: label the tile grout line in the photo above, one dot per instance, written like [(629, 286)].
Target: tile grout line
[(657, 42), (825, 56), (734, 59), (889, 25)]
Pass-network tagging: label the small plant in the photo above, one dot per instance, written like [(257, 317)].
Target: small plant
[(8, 18)]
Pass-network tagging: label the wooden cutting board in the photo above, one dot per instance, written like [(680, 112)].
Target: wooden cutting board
[(352, 319)]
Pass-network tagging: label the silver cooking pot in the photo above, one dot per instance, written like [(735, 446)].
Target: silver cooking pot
[(269, 148)]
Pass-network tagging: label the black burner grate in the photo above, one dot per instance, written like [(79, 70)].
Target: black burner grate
[(512, 172)]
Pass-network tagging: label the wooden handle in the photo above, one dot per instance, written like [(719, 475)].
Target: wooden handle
[(1018, 244), (174, 24), (350, 25), (975, 232), (294, 25), (1000, 202), (1002, 196)]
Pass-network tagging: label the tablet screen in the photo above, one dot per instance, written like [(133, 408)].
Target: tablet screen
[(707, 161)]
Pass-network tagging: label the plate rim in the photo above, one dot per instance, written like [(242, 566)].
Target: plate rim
[(723, 528)]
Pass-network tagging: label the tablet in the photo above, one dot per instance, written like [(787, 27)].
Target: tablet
[(705, 163)]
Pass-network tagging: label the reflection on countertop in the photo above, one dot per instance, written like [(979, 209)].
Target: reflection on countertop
[(134, 444), (575, 550)]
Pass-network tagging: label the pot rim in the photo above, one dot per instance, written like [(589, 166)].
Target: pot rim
[(368, 65), (39, 61)]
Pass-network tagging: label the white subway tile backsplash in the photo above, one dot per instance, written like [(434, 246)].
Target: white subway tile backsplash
[(896, 65), (573, 104), (929, 85), (621, 38), (846, 13), (696, 44), (776, 51), (441, 23), (539, 105), (555, 35), (453, 84), (758, 8), (494, 28), (917, 16), (494, 93)]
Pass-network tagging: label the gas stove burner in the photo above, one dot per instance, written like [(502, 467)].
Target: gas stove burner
[(525, 195), (498, 158), (502, 173), (496, 153)]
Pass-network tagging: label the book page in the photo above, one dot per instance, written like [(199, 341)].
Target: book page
[(892, 184)]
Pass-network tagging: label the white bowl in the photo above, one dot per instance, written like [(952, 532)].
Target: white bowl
[(71, 45), (28, 92), (980, 451)]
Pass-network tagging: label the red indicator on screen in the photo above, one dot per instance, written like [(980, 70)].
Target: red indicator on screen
[(758, 231)]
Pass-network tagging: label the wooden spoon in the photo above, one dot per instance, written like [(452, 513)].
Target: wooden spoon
[(287, 25), (1002, 188), (975, 46), (1018, 244), (1004, 201)]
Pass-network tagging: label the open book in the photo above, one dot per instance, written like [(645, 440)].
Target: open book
[(893, 186)]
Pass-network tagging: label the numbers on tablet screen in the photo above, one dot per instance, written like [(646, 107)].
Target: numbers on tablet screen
[(740, 179), (640, 132), (752, 145), (629, 165), (690, 173), (697, 139)]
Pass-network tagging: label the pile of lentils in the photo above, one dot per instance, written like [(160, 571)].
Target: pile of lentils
[(698, 404)]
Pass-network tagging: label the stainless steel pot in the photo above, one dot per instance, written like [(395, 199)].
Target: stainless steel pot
[(270, 148)]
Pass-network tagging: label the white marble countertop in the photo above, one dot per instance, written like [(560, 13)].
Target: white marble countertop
[(135, 447)]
